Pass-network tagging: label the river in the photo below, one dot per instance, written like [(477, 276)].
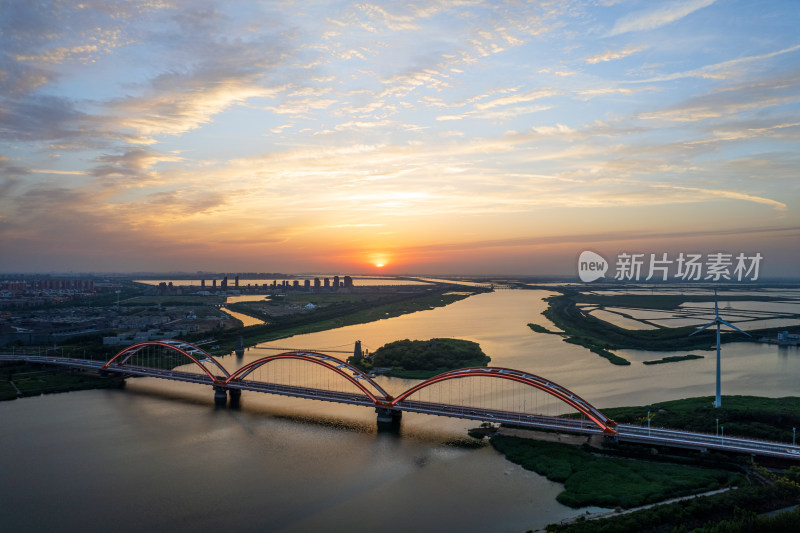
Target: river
[(158, 455)]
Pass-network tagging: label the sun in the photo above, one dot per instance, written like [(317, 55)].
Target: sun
[(379, 260)]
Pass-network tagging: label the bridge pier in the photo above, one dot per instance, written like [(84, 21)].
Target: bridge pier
[(220, 396), (388, 416), (236, 396), (118, 379)]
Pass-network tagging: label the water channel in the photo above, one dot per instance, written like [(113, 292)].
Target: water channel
[(158, 455)]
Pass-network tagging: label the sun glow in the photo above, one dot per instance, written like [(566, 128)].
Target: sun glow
[(378, 260)]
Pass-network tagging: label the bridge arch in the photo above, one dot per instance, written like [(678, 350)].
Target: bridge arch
[(195, 354), (347, 371), (546, 385)]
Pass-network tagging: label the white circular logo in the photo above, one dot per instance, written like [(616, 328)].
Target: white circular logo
[(591, 266)]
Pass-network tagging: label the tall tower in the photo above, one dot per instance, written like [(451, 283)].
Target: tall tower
[(239, 346), (357, 353)]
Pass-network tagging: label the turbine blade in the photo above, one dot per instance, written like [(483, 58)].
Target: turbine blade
[(704, 327), (716, 306), (734, 327)]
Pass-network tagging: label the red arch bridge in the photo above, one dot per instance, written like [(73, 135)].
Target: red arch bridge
[(499, 395)]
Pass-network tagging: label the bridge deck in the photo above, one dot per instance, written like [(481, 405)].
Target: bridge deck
[(624, 432)]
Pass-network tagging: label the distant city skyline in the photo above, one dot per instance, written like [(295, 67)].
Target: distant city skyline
[(454, 137)]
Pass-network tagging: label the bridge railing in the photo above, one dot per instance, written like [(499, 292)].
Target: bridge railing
[(236, 382)]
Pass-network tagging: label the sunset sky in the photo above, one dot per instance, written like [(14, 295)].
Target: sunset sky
[(450, 136)]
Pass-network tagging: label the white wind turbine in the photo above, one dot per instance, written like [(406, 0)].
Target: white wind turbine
[(718, 321)]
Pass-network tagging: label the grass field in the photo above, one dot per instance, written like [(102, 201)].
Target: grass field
[(741, 416), (32, 381), (733, 511), (609, 481)]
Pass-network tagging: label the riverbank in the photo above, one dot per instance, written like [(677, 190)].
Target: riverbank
[(599, 336), (360, 309), (18, 380), (625, 477), (595, 480), (340, 310), (746, 509)]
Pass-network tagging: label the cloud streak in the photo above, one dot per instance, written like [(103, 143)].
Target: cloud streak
[(611, 55), (190, 133), (656, 18)]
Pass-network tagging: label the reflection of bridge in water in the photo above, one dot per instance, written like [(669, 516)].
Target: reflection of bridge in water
[(489, 394)]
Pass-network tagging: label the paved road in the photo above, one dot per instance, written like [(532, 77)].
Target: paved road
[(624, 432)]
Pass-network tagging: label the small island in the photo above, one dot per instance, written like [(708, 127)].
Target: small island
[(673, 359), (422, 359), (541, 329)]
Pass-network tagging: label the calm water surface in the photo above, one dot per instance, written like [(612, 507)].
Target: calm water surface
[(158, 455)]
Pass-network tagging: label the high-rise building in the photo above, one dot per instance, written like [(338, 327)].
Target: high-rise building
[(327, 283), (316, 283), (335, 282), (348, 282), (236, 281)]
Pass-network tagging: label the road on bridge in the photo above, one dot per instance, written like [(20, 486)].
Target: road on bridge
[(620, 432)]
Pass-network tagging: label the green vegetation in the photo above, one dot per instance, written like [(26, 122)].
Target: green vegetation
[(247, 308), (7, 390), (602, 352), (673, 359), (564, 313), (732, 510), (32, 381), (341, 310), (287, 309), (346, 312), (174, 300), (424, 359), (541, 329), (667, 302), (586, 342), (742, 416), (793, 474), (600, 336), (609, 481), (749, 522), (598, 480)]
